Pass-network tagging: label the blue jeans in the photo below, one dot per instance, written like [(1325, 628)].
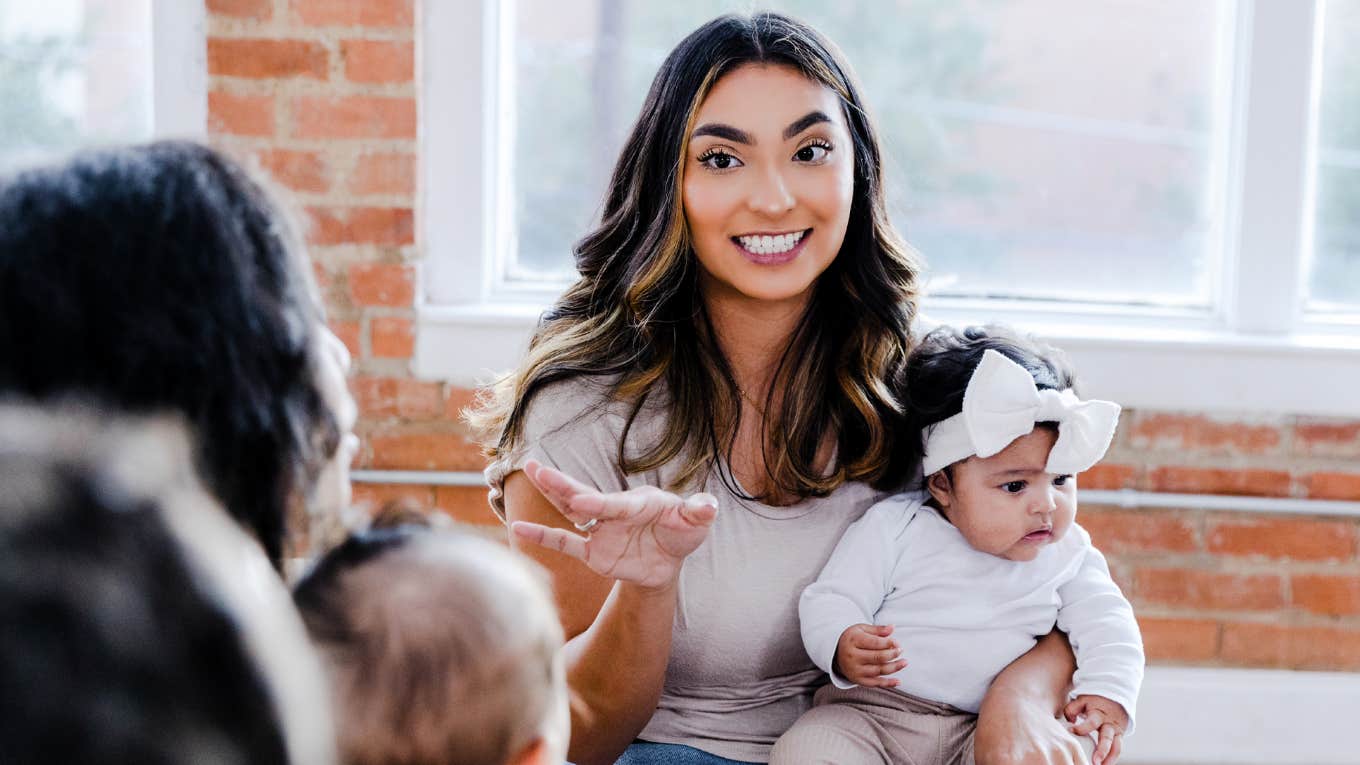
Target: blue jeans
[(648, 753)]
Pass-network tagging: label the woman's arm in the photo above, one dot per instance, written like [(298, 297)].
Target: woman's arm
[(619, 632), (1018, 723)]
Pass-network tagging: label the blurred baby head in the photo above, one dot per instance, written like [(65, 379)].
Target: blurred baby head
[(443, 648), (137, 622)]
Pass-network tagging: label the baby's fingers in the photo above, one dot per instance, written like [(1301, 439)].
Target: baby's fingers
[(870, 681), (1116, 746), (871, 637), (1104, 742), (1093, 720), (554, 539)]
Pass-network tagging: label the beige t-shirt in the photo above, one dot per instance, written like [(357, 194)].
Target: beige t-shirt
[(738, 675)]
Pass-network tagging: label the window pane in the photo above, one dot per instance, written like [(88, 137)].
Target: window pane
[(1034, 148), (72, 73), (1334, 273)]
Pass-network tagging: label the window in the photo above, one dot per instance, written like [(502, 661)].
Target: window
[(1024, 137), (76, 73), (1334, 271), (1111, 174)]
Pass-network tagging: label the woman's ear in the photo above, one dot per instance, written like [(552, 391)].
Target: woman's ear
[(941, 488)]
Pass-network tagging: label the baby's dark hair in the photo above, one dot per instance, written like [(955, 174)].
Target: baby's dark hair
[(939, 369), (442, 647)]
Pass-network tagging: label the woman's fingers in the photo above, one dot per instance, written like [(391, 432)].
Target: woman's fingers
[(700, 509), (558, 487), (551, 538), (617, 505)]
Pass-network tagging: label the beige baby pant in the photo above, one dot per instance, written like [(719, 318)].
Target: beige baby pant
[(877, 725)]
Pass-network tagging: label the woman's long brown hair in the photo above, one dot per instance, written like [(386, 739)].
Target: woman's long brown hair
[(636, 316)]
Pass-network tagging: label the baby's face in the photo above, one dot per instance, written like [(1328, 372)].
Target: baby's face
[(1008, 504)]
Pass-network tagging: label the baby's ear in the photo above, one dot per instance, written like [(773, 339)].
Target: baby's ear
[(536, 753), (941, 488)]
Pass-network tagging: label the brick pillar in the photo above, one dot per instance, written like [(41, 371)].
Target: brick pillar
[(321, 95)]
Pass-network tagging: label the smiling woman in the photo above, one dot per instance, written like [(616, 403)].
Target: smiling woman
[(743, 311), (767, 206)]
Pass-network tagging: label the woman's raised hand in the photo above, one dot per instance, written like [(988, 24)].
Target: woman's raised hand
[(641, 535)]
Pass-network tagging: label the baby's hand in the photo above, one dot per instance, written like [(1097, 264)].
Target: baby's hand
[(865, 654), (1107, 718)]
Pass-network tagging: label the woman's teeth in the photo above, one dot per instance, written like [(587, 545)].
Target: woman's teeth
[(771, 245)]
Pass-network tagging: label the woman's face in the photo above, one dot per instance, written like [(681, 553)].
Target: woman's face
[(768, 182), (332, 490)]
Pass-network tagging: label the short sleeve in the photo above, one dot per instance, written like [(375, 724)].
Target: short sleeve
[(570, 425)]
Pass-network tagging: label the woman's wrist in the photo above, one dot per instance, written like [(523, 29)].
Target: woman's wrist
[(643, 592)]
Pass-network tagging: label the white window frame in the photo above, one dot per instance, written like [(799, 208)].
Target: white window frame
[(179, 69), (1256, 353)]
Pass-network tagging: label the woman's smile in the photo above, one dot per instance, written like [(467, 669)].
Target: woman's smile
[(772, 249)]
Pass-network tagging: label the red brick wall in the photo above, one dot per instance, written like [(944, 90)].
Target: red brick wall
[(322, 93)]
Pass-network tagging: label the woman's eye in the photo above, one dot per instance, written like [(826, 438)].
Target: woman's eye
[(813, 153), (1013, 487), (1061, 480), (719, 160)]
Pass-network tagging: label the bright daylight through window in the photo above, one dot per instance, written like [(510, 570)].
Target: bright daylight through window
[(1034, 153), (74, 73)]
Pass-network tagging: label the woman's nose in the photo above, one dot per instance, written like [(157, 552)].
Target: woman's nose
[(770, 195)]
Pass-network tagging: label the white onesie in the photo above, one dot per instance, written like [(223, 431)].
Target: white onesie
[(961, 615)]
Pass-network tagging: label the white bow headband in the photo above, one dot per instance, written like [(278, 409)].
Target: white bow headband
[(1002, 403)]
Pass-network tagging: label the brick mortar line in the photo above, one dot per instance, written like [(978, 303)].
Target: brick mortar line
[(336, 198), (406, 252), (1262, 617), (1152, 459), (1234, 565), (284, 28), (298, 85), (255, 143)]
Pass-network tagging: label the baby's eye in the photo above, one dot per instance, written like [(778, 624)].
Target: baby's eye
[(1013, 487), (719, 160), (1061, 480)]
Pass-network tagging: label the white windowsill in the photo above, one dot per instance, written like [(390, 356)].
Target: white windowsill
[(1139, 367)]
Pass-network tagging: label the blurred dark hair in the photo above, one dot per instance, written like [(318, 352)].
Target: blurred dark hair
[(940, 367), (164, 277), (112, 648)]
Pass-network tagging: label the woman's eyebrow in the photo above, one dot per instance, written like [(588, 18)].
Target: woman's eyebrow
[(803, 123), (729, 133), (726, 132)]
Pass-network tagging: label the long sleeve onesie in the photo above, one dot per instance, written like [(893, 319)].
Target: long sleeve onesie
[(962, 615)]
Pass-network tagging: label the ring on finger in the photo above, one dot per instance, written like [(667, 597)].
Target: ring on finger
[(585, 528)]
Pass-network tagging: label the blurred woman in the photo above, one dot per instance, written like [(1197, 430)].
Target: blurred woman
[(163, 277)]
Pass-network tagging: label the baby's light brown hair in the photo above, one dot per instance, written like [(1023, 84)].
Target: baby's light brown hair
[(443, 647)]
